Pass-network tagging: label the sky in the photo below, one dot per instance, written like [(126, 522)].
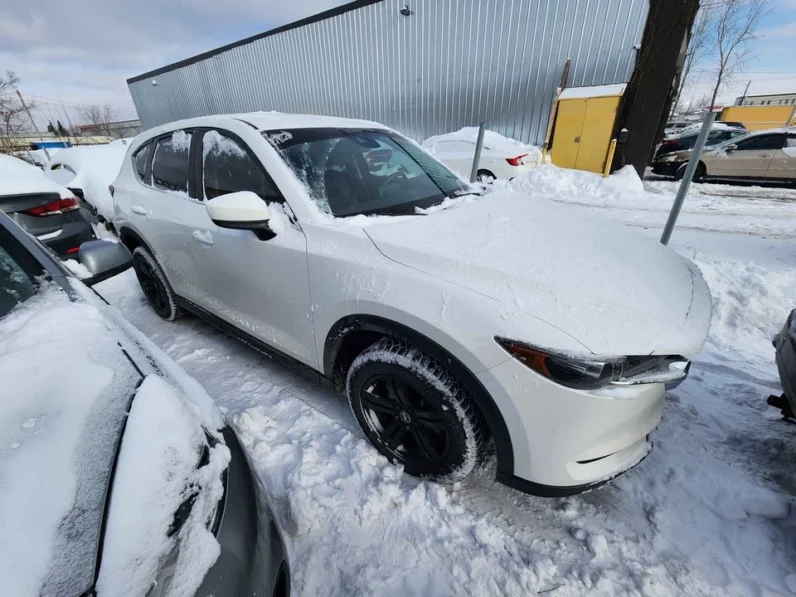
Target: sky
[(82, 51)]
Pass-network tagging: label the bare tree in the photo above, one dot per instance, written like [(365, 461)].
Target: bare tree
[(101, 117), (13, 117), (733, 27), (700, 45)]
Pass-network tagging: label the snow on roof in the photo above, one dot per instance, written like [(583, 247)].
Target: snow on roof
[(19, 178), (593, 91)]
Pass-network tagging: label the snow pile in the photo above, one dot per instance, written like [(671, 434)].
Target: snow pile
[(158, 469), (492, 140), (18, 177), (624, 197), (96, 167)]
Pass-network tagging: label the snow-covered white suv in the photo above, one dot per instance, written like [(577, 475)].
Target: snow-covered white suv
[(344, 249)]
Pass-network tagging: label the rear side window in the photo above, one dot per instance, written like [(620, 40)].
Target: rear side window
[(762, 142), (228, 168), (170, 162), (141, 161)]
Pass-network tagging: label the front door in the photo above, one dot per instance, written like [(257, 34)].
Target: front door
[(750, 159), (259, 286)]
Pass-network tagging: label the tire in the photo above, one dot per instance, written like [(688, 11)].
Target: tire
[(699, 173), (414, 412), (485, 177), (154, 285)]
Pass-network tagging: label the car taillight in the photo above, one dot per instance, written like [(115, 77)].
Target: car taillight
[(111, 189), (516, 161), (669, 143), (54, 207)]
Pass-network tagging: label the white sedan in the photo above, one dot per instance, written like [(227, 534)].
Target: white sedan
[(347, 252), (501, 157)]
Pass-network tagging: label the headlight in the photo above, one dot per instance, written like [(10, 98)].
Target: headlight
[(670, 158), (580, 372)]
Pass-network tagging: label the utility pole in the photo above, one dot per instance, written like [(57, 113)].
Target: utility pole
[(33, 122), (743, 97), (69, 120)]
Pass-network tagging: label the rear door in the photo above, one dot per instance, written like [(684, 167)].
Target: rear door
[(783, 164), (160, 208), (259, 286), (751, 158)]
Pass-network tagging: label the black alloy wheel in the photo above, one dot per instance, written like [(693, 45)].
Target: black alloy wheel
[(415, 412), (407, 424)]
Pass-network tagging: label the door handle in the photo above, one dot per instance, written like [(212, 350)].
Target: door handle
[(139, 209), (766, 155), (203, 237)]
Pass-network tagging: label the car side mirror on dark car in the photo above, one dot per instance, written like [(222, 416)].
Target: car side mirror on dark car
[(103, 259)]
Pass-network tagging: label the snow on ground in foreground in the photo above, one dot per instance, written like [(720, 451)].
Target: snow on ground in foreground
[(763, 211), (709, 512)]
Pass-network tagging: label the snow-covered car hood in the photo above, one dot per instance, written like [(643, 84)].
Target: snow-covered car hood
[(70, 372), (614, 290)]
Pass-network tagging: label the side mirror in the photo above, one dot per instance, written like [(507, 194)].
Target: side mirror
[(103, 259), (243, 210), (731, 147)]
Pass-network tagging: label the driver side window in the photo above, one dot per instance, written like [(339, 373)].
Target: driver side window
[(227, 167)]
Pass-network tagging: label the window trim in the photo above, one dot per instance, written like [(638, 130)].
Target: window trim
[(198, 163)]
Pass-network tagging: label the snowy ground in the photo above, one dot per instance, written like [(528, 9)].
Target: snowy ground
[(712, 511)]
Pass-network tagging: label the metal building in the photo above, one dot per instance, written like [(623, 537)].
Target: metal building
[(423, 66)]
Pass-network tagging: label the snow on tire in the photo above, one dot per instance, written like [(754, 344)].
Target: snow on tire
[(154, 284), (415, 412)]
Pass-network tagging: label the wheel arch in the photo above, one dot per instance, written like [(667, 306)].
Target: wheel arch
[(131, 239), (352, 334)]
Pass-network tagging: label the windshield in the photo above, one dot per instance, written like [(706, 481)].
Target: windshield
[(16, 277), (361, 171)]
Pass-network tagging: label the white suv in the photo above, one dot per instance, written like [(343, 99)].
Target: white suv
[(345, 250)]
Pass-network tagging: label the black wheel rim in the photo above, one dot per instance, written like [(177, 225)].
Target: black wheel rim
[(404, 422), (152, 287)]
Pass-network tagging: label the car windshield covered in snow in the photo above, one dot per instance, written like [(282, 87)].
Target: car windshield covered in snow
[(359, 171)]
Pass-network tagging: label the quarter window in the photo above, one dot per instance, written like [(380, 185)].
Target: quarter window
[(170, 162), (229, 168), (141, 161)]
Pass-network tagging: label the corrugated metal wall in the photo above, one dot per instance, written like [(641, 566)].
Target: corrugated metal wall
[(451, 63)]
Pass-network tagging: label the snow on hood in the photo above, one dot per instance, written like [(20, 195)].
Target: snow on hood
[(66, 389), (611, 288)]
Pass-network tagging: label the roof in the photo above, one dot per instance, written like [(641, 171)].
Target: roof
[(268, 121), (593, 91), (321, 16), (768, 94)]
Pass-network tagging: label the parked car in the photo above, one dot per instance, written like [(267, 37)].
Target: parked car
[(44, 208), (88, 171), (720, 133), (447, 318), (120, 475), (501, 157), (758, 156), (785, 347)]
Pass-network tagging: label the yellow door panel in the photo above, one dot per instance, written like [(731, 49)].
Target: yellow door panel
[(569, 124), (596, 134)]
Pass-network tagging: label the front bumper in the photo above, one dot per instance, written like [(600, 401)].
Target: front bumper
[(566, 441), (665, 168)]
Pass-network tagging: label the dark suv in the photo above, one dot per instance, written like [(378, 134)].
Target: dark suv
[(720, 133)]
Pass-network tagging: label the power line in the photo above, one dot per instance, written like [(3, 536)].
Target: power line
[(52, 100)]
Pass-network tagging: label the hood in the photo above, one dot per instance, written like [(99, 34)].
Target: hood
[(614, 290)]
